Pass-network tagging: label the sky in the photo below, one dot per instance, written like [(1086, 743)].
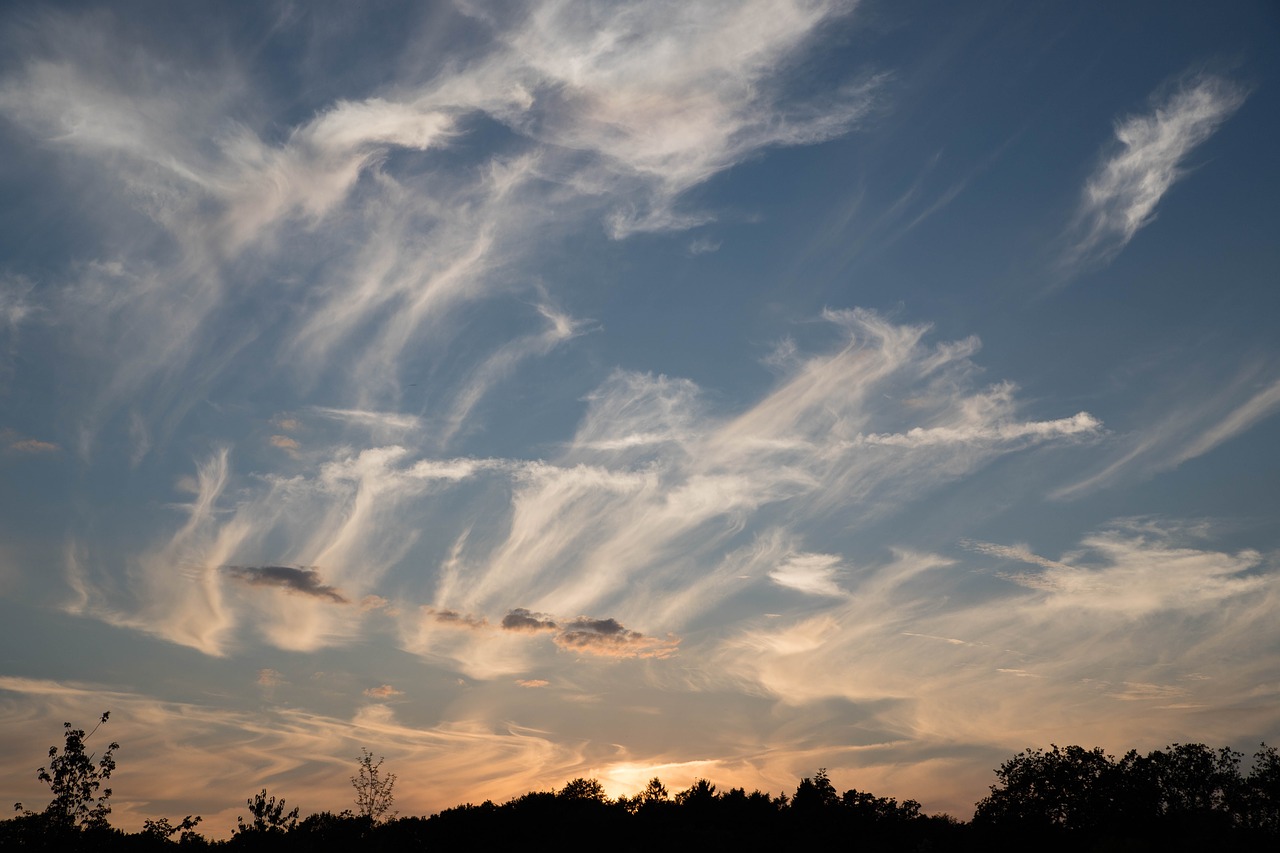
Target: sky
[(581, 389)]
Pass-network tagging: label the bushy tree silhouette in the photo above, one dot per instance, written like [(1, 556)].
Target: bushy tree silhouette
[(583, 789), (268, 816)]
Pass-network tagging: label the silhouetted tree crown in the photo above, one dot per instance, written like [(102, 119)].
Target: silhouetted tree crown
[(76, 780)]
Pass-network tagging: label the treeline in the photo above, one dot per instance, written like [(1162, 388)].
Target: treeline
[(1184, 797)]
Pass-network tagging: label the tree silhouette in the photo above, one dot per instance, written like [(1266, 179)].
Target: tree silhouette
[(163, 830), (815, 795), (269, 816), (1262, 791), (583, 789), (374, 791), (76, 780)]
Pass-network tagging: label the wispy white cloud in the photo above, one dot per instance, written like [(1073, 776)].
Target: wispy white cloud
[(703, 246), (615, 113), (393, 421), (1261, 405), (16, 307), (1120, 198), (175, 589), (501, 363), (1190, 427), (644, 516)]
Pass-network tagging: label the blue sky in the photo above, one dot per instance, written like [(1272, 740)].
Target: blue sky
[(725, 390)]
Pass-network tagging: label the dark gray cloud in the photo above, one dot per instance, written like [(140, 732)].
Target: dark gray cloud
[(603, 627), (461, 620), (305, 581), (608, 637), (520, 619)]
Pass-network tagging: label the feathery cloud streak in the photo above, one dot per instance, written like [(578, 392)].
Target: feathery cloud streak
[(649, 514), (1120, 198), (1188, 429), (614, 112)]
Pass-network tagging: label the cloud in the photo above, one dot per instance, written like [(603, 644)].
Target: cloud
[(668, 96), (284, 442), (1121, 196), (393, 421), (608, 638), (1261, 405), (658, 509), (609, 117), (1192, 425), (1093, 642), (603, 637), (532, 682), (520, 619), (174, 590), (386, 691), (703, 246), (300, 580), (450, 617), (503, 361), (270, 678), (33, 445), (814, 574), (1013, 552), (1136, 577)]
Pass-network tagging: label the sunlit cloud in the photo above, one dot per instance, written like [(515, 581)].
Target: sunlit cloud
[(284, 442), (812, 573), (1134, 616), (386, 691), (32, 445), (641, 517), (1120, 198), (178, 595)]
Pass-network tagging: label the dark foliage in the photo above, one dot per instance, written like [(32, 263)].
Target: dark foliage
[(1184, 797)]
